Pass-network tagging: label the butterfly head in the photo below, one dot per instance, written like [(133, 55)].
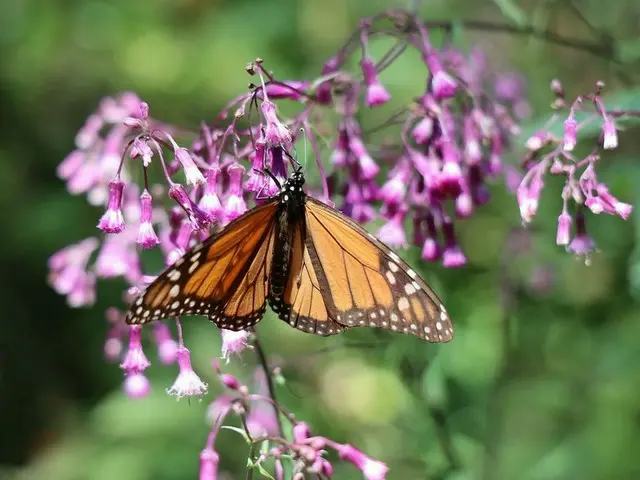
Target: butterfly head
[(292, 192)]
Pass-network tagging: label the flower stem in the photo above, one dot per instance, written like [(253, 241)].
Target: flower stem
[(444, 437), (262, 358)]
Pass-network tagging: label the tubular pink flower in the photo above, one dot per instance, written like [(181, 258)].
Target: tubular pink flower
[(113, 221), (147, 237), (192, 174), (376, 93), (188, 383)]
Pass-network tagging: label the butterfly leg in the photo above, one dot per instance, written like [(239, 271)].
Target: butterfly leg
[(266, 171), (298, 165)]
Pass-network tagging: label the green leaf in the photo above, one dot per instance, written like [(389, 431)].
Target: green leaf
[(511, 11), (238, 430), (263, 472)]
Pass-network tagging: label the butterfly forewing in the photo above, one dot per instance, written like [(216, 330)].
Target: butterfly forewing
[(212, 274), (366, 283), (247, 304)]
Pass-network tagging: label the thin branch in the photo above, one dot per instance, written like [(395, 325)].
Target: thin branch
[(444, 437), (262, 358), (605, 51)]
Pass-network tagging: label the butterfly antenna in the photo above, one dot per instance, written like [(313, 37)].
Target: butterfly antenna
[(304, 134)]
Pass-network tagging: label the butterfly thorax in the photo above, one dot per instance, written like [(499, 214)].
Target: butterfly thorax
[(290, 211)]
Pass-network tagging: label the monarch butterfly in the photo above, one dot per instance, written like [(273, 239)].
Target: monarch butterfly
[(319, 270)]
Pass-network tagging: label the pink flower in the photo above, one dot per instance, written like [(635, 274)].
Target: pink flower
[(193, 175), (563, 234), (570, 129), (136, 385), (199, 219), (371, 469), (376, 93), (135, 361), (188, 383), (112, 221), (276, 133), (235, 204), (392, 233), (609, 134), (147, 237), (233, 342), (209, 460), (210, 202)]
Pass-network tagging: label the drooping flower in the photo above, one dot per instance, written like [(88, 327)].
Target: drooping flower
[(376, 93), (371, 469), (137, 385), (135, 361), (392, 233), (234, 205), (452, 256), (570, 131), (113, 221), (368, 166), (209, 460), (609, 134), (192, 174), (563, 234), (188, 383), (147, 237), (167, 346), (276, 133), (210, 202), (69, 275), (582, 244), (199, 219), (233, 342)]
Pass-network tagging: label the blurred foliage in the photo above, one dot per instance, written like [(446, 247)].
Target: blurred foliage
[(561, 402)]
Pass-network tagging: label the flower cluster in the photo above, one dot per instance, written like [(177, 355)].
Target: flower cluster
[(547, 153), (260, 416)]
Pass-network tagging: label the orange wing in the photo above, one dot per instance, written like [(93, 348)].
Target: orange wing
[(302, 305), (363, 283), (226, 277)]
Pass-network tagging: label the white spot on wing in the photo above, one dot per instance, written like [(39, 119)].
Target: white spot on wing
[(393, 267), (193, 267), (411, 273), (391, 278), (403, 303), (175, 290), (409, 289)]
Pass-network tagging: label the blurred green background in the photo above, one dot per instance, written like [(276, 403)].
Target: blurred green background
[(561, 401)]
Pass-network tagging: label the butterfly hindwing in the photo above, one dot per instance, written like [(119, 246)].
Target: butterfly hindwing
[(211, 274), (302, 304), (365, 283)]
